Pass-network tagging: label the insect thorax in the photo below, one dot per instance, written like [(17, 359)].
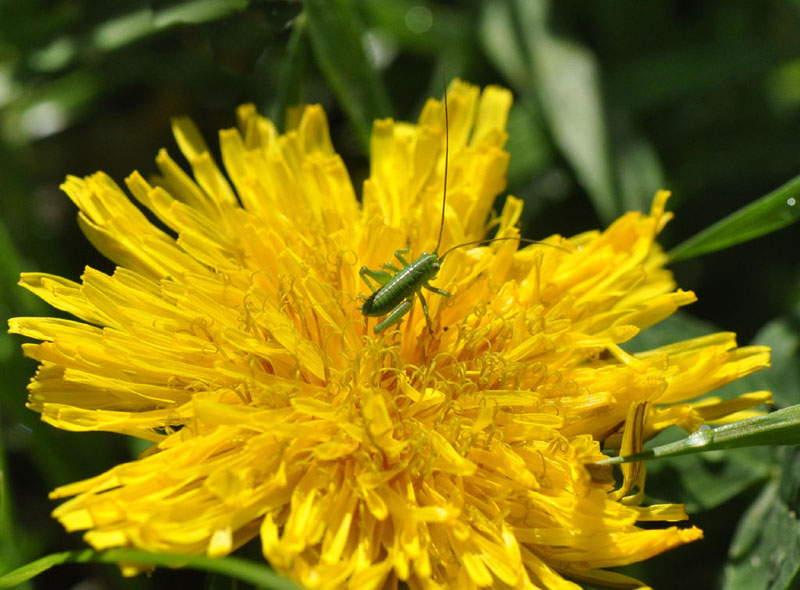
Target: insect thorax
[(402, 285)]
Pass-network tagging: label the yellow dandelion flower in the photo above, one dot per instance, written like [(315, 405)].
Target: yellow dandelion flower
[(230, 336)]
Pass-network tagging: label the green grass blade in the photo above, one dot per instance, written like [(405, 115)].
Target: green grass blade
[(501, 44), (12, 298), (449, 31), (770, 213), (124, 29), (781, 427), (257, 574), (9, 543), (30, 570), (291, 73), (337, 39)]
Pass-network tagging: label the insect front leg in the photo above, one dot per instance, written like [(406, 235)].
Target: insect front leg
[(395, 317), (399, 254), (437, 291), (381, 276)]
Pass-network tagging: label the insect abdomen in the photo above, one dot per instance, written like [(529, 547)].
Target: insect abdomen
[(400, 287)]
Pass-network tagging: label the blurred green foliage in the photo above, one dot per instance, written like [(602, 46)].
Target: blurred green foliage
[(614, 100)]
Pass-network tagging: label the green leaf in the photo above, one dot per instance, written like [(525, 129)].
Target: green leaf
[(128, 28), (770, 213), (50, 107), (499, 40), (10, 267), (573, 108), (781, 427), (567, 80), (638, 169), (765, 552), (529, 149), (291, 73), (257, 574), (421, 28), (338, 42), (783, 337), (123, 30), (196, 11), (681, 325), (9, 544), (703, 482), (28, 571)]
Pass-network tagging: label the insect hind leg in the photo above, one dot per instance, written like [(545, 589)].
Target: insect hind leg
[(425, 311), (437, 291), (395, 317)]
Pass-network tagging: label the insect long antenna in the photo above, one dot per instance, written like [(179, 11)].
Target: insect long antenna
[(490, 240), (446, 157)]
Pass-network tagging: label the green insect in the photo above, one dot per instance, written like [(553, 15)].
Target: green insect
[(394, 295)]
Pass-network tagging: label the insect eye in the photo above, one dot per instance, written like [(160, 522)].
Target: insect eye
[(435, 266)]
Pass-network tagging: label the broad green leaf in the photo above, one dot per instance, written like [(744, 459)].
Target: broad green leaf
[(770, 213), (703, 482), (783, 377), (681, 325), (765, 552), (338, 42), (566, 78), (257, 574), (781, 427), (752, 575)]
